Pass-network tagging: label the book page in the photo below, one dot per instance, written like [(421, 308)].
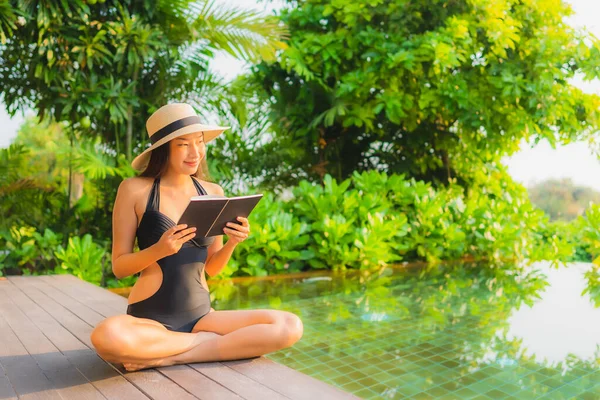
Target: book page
[(207, 197)]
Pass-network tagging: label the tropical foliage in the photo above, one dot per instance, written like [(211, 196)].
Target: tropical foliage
[(375, 129), (432, 89), (105, 66), (368, 221), (372, 220)]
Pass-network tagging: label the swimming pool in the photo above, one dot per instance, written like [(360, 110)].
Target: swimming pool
[(450, 332)]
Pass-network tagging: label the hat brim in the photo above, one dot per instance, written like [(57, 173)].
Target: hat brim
[(210, 132)]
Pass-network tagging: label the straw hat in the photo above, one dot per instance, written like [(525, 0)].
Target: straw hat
[(170, 121)]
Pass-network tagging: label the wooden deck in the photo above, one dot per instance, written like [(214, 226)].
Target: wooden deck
[(46, 353)]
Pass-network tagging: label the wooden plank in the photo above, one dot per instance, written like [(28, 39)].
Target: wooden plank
[(50, 300), (55, 321), (54, 364), (150, 381), (239, 383), (6, 390), (218, 373), (22, 369), (19, 366), (197, 383), (23, 376), (82, 295), (77, 308), (117, 300), (95, 297), (287, 381), (74, 340)]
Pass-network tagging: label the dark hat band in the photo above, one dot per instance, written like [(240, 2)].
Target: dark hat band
[(173, 126)]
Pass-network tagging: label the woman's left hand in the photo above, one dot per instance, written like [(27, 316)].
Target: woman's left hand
[(237, 233)]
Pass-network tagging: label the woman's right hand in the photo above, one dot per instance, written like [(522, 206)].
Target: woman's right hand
[(171, 241)]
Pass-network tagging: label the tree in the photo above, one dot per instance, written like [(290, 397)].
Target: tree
[(104, 66), (562, 199), (435, 89)]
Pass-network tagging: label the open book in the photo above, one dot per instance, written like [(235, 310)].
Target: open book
[(210, 213)]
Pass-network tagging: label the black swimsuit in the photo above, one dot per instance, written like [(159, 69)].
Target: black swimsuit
[(181, 299)]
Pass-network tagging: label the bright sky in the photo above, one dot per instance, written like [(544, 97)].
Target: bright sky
[(575, 160), (527, 166)]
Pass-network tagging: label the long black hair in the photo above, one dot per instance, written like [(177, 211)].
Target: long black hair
[(158, 164)]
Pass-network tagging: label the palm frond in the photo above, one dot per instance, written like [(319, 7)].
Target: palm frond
[(174, 8), (90, 160), (11, 159), (12, 184), (8, 18), (19, 185), (209, 91), (244, 34)]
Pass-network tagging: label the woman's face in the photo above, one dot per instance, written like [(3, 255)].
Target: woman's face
[(186, 151)]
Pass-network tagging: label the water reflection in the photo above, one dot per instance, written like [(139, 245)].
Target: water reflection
[(457, 331), (563, 321)]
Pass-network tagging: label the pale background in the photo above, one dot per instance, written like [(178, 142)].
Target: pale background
[(531, 164)]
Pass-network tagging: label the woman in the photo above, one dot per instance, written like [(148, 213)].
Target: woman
[(169, 319)]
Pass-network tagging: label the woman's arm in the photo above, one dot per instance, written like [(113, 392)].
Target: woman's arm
[(219, 258), (132, 263), (124, 261)]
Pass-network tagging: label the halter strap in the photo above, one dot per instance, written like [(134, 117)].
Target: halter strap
[(199, 187), (154, 198), (153, 202)]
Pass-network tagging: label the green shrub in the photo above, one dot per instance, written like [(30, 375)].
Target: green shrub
[(374, 219), (277, 243), (28, 251), (82, 258), (348, 229), (587, 227), (364, 222)]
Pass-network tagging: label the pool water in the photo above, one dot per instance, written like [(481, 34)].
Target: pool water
[(445, 332)]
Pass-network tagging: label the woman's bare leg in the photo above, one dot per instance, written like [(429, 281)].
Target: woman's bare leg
[(127, 339), (233, 335), (242, 334)]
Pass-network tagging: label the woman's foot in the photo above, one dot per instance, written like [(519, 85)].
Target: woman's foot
[(138, 365), (174, 359)]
